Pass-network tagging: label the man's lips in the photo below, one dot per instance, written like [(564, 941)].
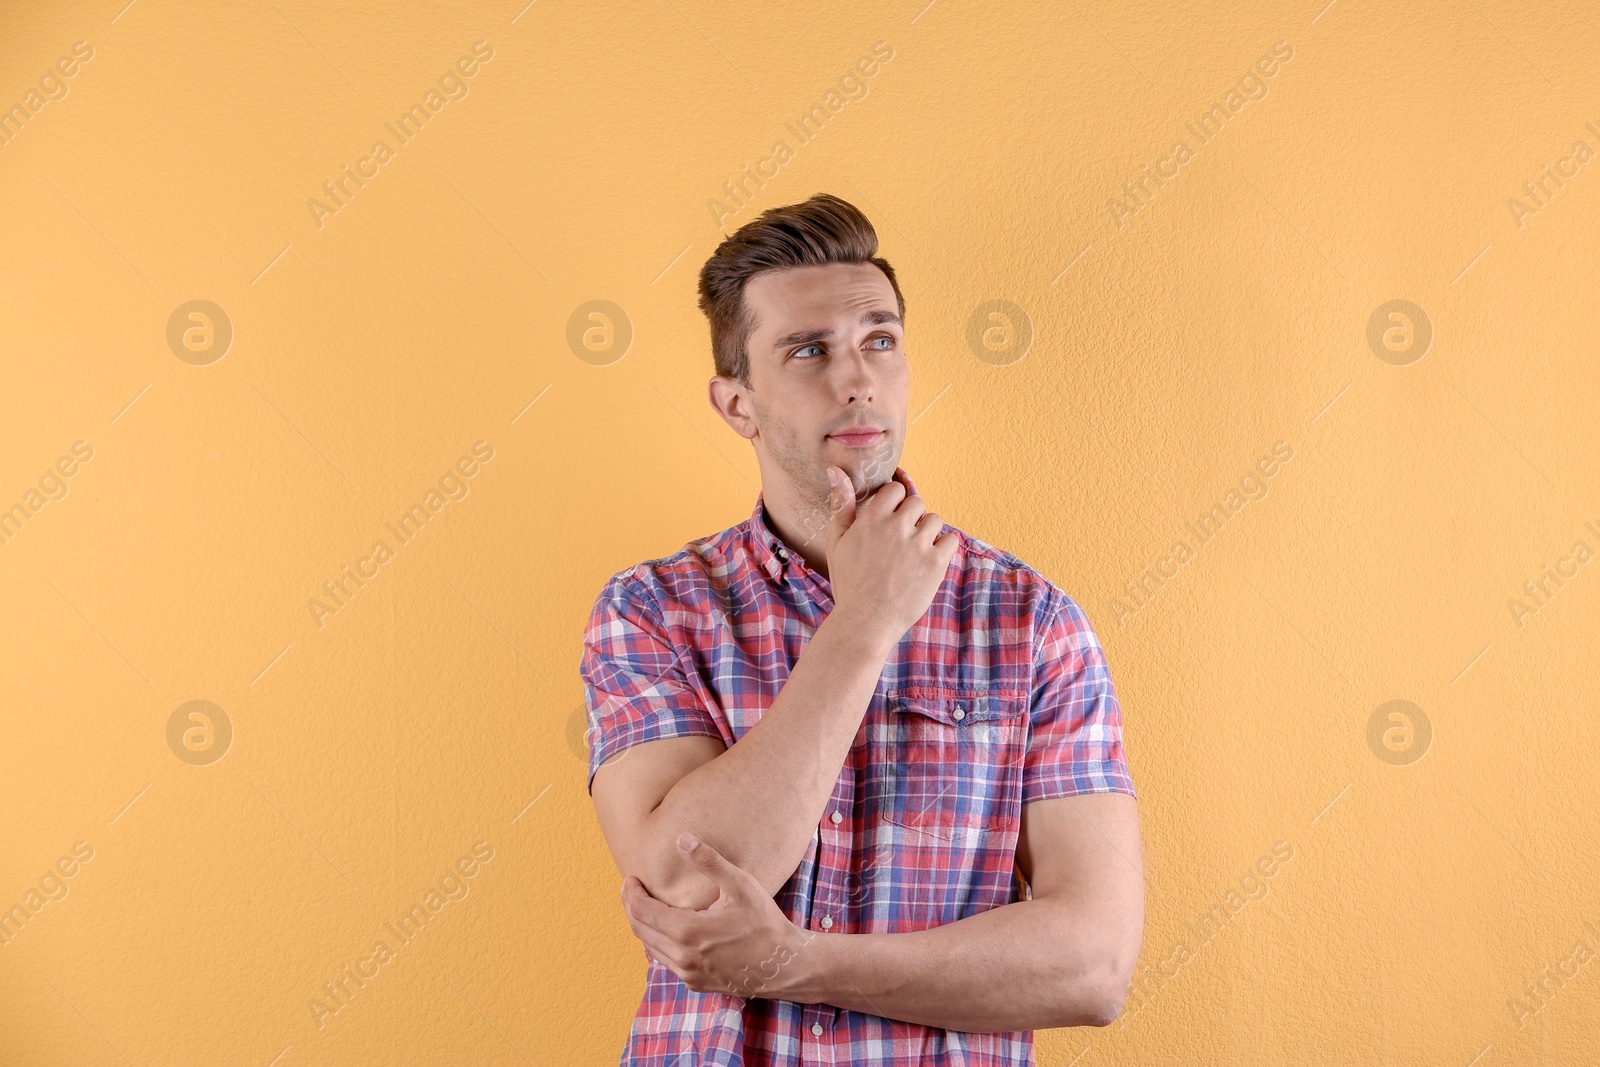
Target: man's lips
[(856, 438)]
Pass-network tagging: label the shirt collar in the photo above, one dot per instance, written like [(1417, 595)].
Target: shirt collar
[(772, 556)]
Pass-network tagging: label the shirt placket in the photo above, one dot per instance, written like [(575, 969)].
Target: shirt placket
[(815, 586), (819, 1022)]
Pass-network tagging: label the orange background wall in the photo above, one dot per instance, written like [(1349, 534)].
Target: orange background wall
[(1153, 343)]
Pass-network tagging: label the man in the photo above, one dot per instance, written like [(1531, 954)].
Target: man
[(827, 742)]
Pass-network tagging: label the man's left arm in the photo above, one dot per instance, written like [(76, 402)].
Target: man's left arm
[(1063, 958)]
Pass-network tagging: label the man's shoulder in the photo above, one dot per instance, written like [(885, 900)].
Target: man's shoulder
[(701, 561), (986, 562), (1043, 598)]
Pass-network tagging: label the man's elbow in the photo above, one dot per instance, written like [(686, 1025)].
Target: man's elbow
[(1097, 998), (671, 877), (1108, 1008), (1093, 1006), (668, 878), (1121, 962)]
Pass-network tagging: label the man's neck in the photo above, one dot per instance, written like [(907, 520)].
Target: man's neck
[(800, 522)]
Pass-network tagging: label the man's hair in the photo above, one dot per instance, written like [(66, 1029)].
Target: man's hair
[(823, 229)]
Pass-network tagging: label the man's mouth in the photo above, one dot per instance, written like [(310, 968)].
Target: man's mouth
[(858, 438)]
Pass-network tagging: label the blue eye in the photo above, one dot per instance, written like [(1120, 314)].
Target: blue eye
[(886, 337), (802, 349)]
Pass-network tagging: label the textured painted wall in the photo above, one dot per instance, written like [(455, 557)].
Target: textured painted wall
[(275, 277)]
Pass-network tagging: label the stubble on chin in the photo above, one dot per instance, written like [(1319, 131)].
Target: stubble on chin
[(866, 477), (809, 474)]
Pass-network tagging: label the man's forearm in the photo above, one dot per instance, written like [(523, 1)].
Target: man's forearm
[(1029, 965), (760, 801)]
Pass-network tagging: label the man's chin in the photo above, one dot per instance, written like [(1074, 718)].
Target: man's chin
[(866, 473)]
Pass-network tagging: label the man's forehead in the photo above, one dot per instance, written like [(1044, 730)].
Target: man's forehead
[(781, 298)]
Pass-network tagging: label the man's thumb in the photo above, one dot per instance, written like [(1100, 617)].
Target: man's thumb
[(841, 503), (709, 860)]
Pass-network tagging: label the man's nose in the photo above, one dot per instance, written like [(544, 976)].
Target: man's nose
[(856, 378)]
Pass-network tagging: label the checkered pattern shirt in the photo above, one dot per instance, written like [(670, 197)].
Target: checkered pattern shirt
[(999, 696)]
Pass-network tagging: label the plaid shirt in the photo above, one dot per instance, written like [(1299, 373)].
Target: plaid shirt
[(999, 696)]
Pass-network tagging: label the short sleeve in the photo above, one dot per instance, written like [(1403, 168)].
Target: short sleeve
[(634, 685), (1076, 733)]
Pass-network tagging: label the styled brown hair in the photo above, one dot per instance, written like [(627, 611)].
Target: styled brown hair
[(823, 229)]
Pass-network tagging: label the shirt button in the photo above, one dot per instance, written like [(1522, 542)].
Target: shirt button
[(960, 712), (827, 922), (835, 817), (816, 1028)]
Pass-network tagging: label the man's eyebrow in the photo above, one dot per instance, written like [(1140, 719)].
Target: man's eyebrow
[(875, 317)]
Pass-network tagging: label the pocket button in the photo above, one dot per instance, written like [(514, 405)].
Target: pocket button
[(960, 712)]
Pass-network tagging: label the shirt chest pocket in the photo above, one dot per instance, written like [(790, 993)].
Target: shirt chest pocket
[(951, 768)]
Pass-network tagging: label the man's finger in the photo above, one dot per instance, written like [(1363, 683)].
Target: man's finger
[(657, 941), (655, 915), (654, 951), (714, 865), (841, 505)]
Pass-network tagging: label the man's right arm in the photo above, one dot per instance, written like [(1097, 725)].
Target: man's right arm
[(758, 802)]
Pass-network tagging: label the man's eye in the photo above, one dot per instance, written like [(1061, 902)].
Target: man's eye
[(886, 337), (804, 347)]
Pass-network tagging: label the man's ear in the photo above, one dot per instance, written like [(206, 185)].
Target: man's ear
[(729, 399)]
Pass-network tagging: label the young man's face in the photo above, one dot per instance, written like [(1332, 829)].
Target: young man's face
[(825, 356)]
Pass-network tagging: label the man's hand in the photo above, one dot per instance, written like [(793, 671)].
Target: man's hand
[(886, 558), (741, 944)]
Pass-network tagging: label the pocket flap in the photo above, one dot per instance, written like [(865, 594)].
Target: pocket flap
[(957, 707)]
